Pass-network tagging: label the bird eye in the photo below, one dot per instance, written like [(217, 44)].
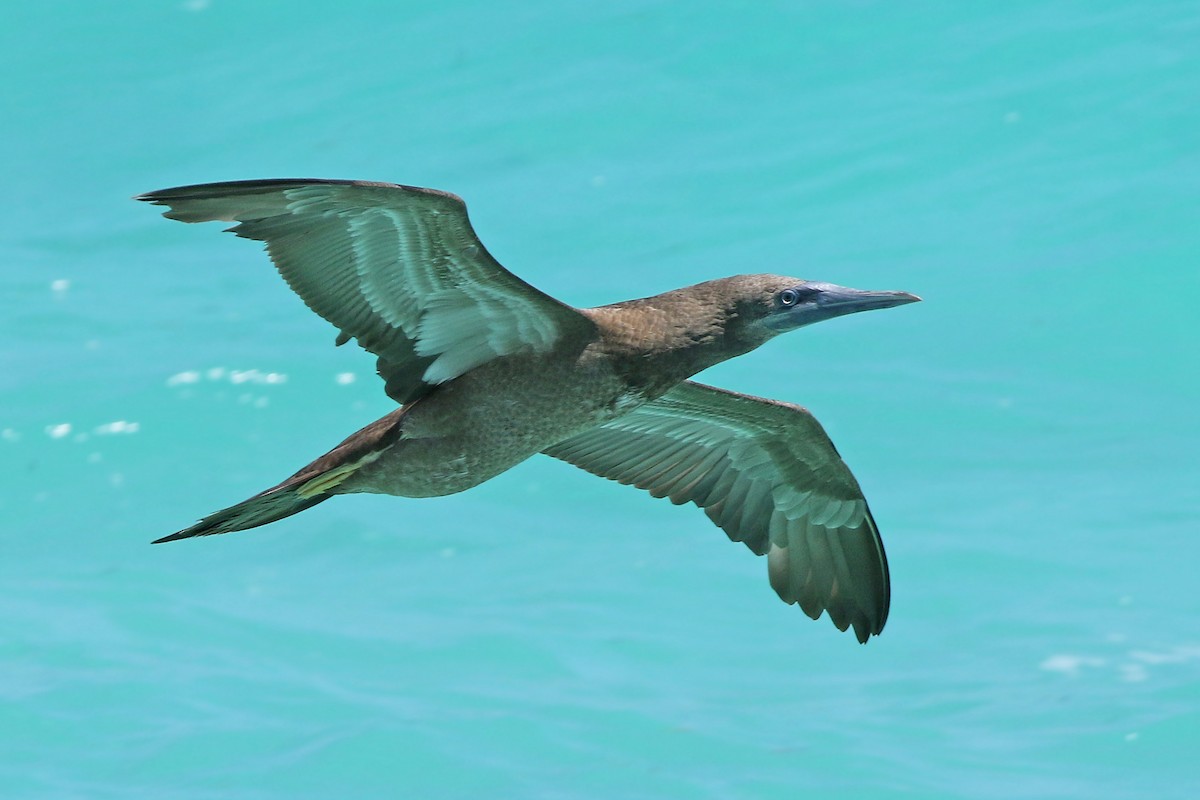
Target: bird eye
[(789, 297)]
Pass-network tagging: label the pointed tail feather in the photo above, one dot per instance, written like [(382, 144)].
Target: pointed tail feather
[(273, 504), (311, 485)]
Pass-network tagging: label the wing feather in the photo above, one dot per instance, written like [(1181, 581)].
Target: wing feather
[(397, 268), (768, 475)]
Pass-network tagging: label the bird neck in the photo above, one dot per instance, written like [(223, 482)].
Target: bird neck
[(656, 342)]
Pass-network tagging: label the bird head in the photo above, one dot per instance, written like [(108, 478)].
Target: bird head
[(778, 304)]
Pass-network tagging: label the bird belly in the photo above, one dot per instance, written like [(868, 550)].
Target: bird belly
[(480, 425)]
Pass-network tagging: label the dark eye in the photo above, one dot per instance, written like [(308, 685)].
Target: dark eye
[(789, 297)]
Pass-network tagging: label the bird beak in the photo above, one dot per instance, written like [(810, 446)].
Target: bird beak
[(834, 301), (829, 300)]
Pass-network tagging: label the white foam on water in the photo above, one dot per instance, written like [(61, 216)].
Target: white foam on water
[(183, 378), (59, 431), (1176, 655), (1070, 664), (118, 427)]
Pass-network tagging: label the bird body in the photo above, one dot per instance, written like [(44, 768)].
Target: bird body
[(489, 372), (500, 413)]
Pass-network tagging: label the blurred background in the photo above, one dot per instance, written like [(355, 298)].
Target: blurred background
[(1027, 436)]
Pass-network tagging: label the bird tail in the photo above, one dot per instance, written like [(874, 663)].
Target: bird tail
[(273, 504), (313, 484)]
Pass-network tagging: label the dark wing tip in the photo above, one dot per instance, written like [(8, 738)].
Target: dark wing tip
[(865, 628), (240, 201), (883, 579), (847, 579), (200, 191), (195, 191)]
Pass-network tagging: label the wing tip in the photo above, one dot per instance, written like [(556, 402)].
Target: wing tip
[(200, 191), (863, 625), (864, 629), (237, 201)]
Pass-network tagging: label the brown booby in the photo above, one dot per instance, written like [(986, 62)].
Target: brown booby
[(489, 371)]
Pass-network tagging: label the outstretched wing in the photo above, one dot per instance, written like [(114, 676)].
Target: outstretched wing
[(768, 475), (396, 267)]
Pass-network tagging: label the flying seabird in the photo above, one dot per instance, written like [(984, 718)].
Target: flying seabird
[(489, 371)]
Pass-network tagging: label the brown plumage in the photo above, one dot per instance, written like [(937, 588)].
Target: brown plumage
[(490, 371)]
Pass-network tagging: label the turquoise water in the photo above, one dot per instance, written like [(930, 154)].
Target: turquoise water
[(1027, 436)]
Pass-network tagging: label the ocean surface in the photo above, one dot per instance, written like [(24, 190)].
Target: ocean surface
[(1028, 436)]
